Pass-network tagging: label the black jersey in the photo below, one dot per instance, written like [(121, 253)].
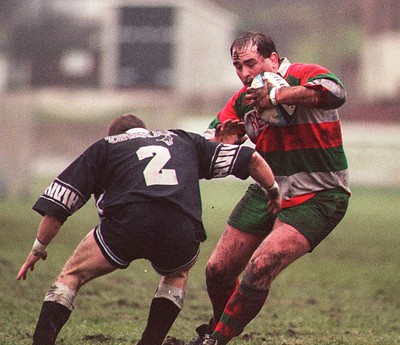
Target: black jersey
[(142, 166)]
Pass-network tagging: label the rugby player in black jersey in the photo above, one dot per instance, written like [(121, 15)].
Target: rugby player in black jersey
[(146, 186)]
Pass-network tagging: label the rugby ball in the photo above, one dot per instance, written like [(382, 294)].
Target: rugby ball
[(281, 114)]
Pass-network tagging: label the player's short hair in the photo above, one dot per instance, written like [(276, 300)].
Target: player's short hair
[(124, 122), (264, 43)]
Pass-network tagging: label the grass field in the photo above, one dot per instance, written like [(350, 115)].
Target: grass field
[(345, 292)]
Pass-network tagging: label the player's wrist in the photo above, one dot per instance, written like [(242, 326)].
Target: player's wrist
[(272, 96), (273, 192), (39, 248)]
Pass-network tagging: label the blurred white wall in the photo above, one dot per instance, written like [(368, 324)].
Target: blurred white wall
[(373, 153), (16, 151), (3, 73), (204, 35), (380, 72)]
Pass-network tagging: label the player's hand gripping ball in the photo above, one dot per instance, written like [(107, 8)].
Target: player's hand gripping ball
[(280, 114)]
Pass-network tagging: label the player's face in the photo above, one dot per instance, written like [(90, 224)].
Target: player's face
[(248, 63)]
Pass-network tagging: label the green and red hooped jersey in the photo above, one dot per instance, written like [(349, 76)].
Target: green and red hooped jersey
[(307, 155)]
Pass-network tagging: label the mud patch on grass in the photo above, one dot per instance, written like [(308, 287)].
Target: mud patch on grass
[(100, 338), (122, 302)]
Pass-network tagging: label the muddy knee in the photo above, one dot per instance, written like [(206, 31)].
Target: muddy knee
[(259, 274), (217, 276)]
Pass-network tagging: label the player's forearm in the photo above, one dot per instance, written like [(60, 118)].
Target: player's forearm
[(263, 175), (307, 97), (298, 95), (260, 171), (48, 228)]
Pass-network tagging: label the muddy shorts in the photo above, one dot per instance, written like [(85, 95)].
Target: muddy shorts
[(314, 218)]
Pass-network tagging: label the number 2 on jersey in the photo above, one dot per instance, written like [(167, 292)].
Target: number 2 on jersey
[(154, 174)]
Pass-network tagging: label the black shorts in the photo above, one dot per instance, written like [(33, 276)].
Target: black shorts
[(157, 232)]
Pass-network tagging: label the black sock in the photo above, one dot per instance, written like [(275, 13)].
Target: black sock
[(52, 318), (163, 313)]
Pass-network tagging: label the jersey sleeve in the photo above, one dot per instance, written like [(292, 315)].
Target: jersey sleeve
[(234, 109), (231, 160), (218, 160), (228, 112), (74, 186)]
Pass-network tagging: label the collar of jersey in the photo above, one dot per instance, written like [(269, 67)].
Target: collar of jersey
[(284, 66), (137, 130)]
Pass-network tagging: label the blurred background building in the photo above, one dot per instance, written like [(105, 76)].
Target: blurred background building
[(169, 44), (68, 59)]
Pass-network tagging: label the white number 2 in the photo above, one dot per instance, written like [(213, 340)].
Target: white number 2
[(154, 174)]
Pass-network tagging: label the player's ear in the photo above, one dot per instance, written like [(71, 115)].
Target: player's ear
[(273, 62), (274, 57)]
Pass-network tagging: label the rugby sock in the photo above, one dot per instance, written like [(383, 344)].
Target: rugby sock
[(52, 318), (163, 313), (219, 298), (241, 308)]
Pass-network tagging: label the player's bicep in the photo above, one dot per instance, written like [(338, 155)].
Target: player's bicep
[(70, 190)]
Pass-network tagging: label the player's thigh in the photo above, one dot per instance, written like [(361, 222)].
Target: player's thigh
[(318, 216), (280, 248), (232, 253), (86, 263)]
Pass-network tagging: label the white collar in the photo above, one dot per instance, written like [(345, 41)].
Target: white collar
[(283, 67), (137, 130)]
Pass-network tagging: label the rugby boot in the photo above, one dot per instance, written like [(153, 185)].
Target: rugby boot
[(202, 331)]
